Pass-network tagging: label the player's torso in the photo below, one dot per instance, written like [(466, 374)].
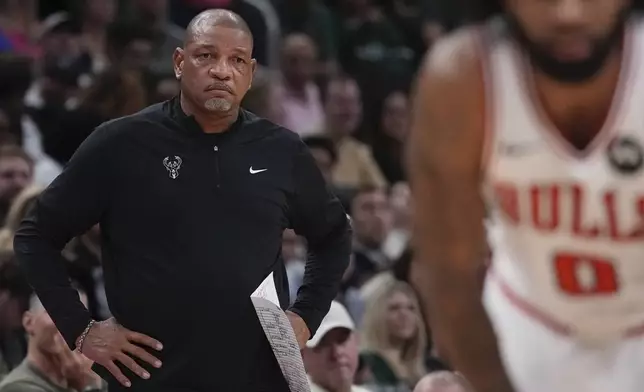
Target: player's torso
[(568, 226)]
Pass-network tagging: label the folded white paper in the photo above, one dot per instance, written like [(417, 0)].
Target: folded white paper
[(280, 335)]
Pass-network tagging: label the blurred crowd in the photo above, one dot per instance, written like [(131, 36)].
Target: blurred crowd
[(337, 72)]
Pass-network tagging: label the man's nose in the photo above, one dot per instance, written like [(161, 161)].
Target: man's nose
[(338, 350), (570, 12), (382, 215), (221, 70)]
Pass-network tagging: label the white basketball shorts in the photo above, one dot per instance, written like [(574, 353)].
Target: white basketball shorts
[(538, 358)]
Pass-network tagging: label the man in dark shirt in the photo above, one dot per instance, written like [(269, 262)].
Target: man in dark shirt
[(192, 196)]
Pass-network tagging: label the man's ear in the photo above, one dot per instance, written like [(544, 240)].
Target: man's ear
[(28, 322), (177, 60), (253, 69)]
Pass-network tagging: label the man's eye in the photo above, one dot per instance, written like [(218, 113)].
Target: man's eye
[(204, 56), (239, 60)]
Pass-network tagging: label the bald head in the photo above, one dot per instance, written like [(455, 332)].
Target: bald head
[(297, 42), (443, 381), (299, 60), (208, 19)]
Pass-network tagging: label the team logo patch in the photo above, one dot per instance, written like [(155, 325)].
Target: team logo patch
[(625, 155), (173, 164)]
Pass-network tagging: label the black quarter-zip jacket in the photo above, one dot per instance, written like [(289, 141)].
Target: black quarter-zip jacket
[(191, 224)]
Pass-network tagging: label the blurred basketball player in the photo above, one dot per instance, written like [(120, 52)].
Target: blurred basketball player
[(539, 115)]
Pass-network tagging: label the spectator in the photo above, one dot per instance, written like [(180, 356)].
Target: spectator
[(49, 100), (153, 16), (331, 356), (407, 16), (323, 150), (262, 97), (314, 19), (371, 219), (15, 79), (63, 51), (324, 153), (443, 381), (390, 139), (402, 270), (373, 49), (393, 335), (18, 210), (19, 27), (16, 172), (55, 88), (59, 38), (114, 93), (356, 166), (50, 366), (14, 300), (130, 46), (298, 93), (400, 234), (58, 72), (94, 17)]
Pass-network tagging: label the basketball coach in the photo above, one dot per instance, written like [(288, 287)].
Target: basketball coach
[(192, 196)]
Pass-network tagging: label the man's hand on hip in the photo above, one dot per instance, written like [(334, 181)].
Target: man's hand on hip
[(302, 333), (108, 341)]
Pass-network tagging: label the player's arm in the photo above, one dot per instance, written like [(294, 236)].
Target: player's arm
[(444, 164)]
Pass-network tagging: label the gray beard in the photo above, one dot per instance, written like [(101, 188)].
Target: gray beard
[(218, 105)]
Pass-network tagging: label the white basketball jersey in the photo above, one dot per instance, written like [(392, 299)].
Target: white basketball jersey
[(568, 225)]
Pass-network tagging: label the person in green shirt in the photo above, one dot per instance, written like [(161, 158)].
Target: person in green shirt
[(50, 366)]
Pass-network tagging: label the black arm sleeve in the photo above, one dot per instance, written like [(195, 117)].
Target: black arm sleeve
[(318, 215), (72, 204)]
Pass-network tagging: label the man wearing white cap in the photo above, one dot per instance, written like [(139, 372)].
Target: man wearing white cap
[(331, 356)]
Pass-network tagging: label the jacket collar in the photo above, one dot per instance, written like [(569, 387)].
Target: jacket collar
[(189, 124)]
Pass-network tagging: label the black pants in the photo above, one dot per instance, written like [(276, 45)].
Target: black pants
[(265, 376)]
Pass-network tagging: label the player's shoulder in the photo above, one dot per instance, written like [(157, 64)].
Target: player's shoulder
[(452, 79), (455, 59), (450, 100)]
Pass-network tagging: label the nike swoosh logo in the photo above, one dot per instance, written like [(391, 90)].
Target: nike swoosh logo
[(256, 171)]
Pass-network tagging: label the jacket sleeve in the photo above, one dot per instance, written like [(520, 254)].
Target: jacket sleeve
[(317, 215), (72, 204)]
